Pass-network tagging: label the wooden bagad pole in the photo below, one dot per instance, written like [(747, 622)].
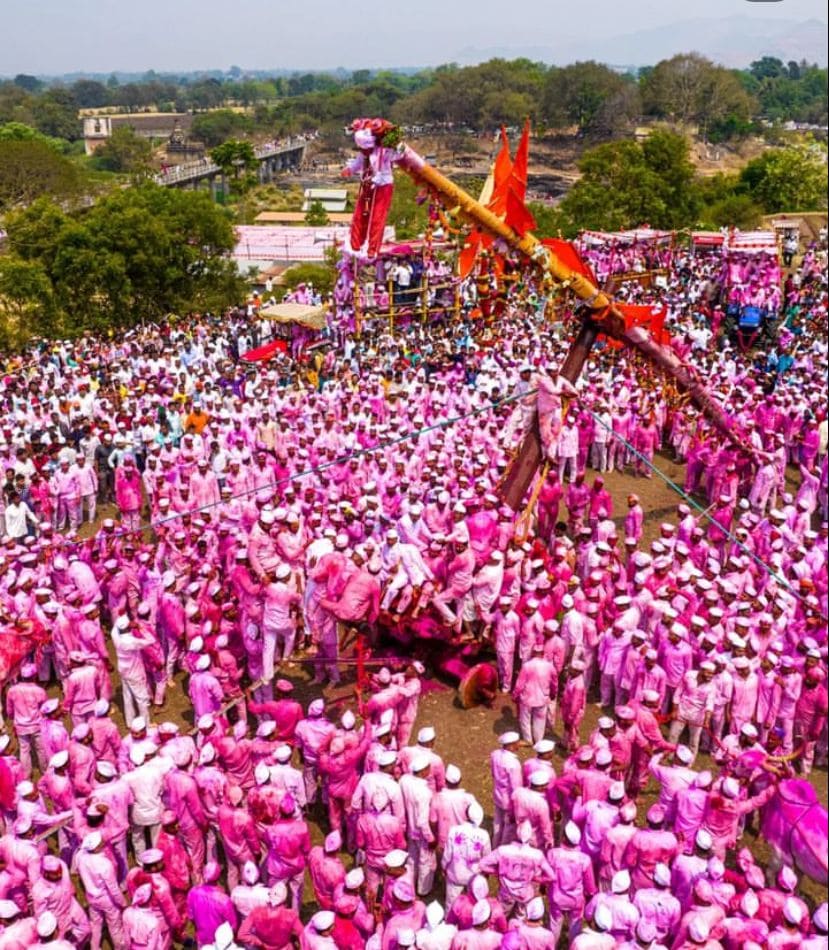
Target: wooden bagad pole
[(452, 195), (603, 316)]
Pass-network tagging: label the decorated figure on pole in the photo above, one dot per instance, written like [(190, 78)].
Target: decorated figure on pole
[(376, 140)]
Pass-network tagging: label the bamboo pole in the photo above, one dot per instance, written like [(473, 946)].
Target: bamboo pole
[(603, 316), (527, 244), (358, 316)]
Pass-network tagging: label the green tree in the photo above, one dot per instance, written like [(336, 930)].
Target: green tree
[(26, 305), (322, 276), (617, 114), (690, 88), (625, 184), (469, 96), (730, 128), (15, 104), (667, 156), (799, 93), (508, 108), (136, 255), (29, 83), (617, 190), (577, 94), (20, 132), (31, 168), (55, 113), (34, 231), (787, 179), (316, 215), (206, 94), (549, 221), (769, 67), (218, 126), (237, 160), (408, 217), (124, 151), (90, 94), (734, 210)]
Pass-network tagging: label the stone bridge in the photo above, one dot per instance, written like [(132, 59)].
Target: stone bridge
[(273, 157)]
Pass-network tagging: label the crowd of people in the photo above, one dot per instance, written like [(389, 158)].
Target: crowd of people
[(266, 512), (396, 286), (753, 280), (627, 253)]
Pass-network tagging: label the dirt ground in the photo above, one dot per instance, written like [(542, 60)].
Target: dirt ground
[(466, 737)]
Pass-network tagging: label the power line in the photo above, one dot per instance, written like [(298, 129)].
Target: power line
[(704, 513), (443, 424), (323, 466)]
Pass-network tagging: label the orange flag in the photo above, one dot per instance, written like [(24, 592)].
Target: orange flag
[(468, 254), (518, 176), (567, 254), (475, 243), (493, 197), (652, 318), (501, 172), (517, 215)]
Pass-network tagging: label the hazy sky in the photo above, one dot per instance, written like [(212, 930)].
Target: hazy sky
[(56, 36)]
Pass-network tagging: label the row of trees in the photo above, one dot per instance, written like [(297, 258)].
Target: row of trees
[(136, 255), (625, 184), (597, 99), (194, 93)]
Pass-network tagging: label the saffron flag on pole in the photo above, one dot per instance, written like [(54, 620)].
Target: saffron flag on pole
[(642, 315), (468, 255), (651, 318), (499, 173), (493, 197), (504, 194), (518, 174), (517, 216), (566, 252)]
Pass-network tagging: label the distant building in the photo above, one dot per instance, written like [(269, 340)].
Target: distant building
[(260, 246), (332, 199), (149, 125), (298, 217), (807, 224)]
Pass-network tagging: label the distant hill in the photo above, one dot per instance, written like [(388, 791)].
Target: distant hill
[(733, 41)]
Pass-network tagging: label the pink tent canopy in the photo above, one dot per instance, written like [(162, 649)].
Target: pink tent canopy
[(287, 243), (275, 243), (634, 236), (707, 238), (752, 242)]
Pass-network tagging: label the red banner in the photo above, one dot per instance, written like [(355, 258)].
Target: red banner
[(649, 317), (263, 353), (566, 252)]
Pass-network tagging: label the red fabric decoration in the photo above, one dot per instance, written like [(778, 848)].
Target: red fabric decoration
[(566, 252)]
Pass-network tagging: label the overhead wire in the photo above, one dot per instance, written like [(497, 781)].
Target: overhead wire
[(315, 469), (443, 424), (704, 513)]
